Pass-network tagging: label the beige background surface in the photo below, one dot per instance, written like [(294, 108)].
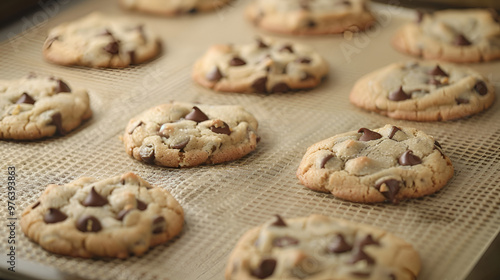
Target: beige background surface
[(450, 229)]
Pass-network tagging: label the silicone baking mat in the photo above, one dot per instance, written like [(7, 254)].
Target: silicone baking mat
[(450, 229)]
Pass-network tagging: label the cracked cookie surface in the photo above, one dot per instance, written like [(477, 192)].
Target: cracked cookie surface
[(115, 217), (311, 16), (39, 106), (183, 134), (423, 91), (386, 164), (173, 7), (101, 41), (321, 247), (264, 66), (471, 35)]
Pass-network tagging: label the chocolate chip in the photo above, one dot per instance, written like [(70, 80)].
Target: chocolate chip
[(88, 223), (285, 241), (147, 153), (494, 15), (346, 3), (25, 99), (265, 268), (392, 276), (159, 224), (280, 87), (393, 132), (437, 71), (360, 274), (408, 158), (62, 87), (304, 60), (57, 122), (278, 222), (392, 189), (192, 11), (461, 40), (436, 143), (360, 255), (325, 160), (51, 41), (236, 61), (181, 145), (214, 75), (261, 44), (135, 125), (196, 115), (420, 16), (35, 205), (94, 199), (368, 240), (460, 100), (399, 95), (141, 205), (260, 85), (481, 88), (112, 48), (338, 245), (221, 130), (54, 216), (368, 135), (286, 48), (310, 23), (131, 54), (122, 214)]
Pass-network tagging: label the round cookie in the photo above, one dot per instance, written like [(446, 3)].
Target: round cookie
[(320, 247), (115, 217), (265, 66), (471, 35), (171, 7), (101, 41), (311, 16), (40, 106), (385, 164), (423, 91), (182, 134)]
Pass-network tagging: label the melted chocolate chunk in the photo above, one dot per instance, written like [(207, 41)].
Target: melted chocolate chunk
[(392, 189), (460, 100), (368, 135), (141, 205), (310, 23), (62, 87), (192, 11), (304, 60), (159, 224), (325, 160), (286, 48), (122, 214), (399, 95), (338, 245), (35, 205), (393, 132), (94, 199), (261, 44), (181, 145), (360, 255), (57, 122), (147, 153), (134, 126), (25, 99), (461, 40), (260, 85), (236, 61), (112, 48), (54, 216), (481, 88), (196, 115), (437, 71), (420, 16), (278, 222), (285, 241), (265, 268), (280, 87), (131, 54), (88, 223), (368, 240), (221, 130), (214, 75), (408, 158)]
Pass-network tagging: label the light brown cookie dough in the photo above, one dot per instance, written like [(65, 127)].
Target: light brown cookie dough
[(451, 35), (101, 41), (173, 7), (319, 247), (264, 66), (182, 134), (39, 106), (423, 91), (385, 164), (115, 217), (310, 16)]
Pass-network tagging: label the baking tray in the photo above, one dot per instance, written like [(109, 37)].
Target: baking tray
[(450, 229)]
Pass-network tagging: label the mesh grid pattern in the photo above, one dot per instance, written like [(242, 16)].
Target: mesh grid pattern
[(450, 229)]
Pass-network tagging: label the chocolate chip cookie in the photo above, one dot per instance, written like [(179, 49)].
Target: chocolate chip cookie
[(101, 41), (182, 134), (310, 16), (171, 8), (321, 247), (115, 217), (423, 91), (452, 35), (390, 163), (264, 66), (40, 106)]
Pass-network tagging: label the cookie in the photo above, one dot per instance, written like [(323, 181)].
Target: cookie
[(310, 17), (101, 41), (116, 217), (321, 247), (386, 164), (264, 66), (471, 35), (39, 106), (182, 134), (423, 91), (171, 8)]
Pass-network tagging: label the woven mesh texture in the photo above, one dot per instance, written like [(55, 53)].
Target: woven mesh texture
[(450, 229)]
